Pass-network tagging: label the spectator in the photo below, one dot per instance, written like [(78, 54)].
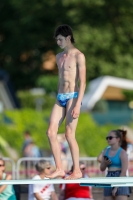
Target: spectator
[(29, 149), (115, 159), (42, 191), (6, 191), (74, 191), (27, 141), (32, 150), (125, 145)]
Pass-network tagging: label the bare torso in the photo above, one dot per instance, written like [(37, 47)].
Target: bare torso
[(68, 71)]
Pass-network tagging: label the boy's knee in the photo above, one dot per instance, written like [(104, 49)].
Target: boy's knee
[(50, 134), (68, 133)]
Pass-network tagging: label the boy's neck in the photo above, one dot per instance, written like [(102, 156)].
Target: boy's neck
[(42, 176), (68, 49)]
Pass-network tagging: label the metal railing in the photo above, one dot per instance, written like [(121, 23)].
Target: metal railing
[(10, 166), (25, 167)]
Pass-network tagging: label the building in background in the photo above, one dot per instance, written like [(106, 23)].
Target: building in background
[(106, 101)]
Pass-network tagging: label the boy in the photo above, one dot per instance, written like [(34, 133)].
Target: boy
[(72, 70)]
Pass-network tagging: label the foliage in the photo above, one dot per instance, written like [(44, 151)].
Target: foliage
[(49, 83), (102, 30), (128, 94), (25, 119), (101, 106), (90, 136), (38, 102)]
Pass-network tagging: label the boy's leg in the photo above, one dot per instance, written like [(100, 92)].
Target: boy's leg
[(56, 118), (71, 125)]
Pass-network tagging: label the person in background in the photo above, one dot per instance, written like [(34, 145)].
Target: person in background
[(125, 145), (32, 150), (73, 191), (115, 159), (6, 191), (29, 149), (27, 141), (42, 191)]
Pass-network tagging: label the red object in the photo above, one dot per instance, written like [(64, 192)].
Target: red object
[(77, 191)]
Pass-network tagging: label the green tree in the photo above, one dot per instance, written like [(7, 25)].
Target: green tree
[(102, 29)]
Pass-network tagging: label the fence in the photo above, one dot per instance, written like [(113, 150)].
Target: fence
[(10, 167), (25, 167)]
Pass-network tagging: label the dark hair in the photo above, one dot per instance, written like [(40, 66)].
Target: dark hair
[(27, 132), (122, 135), (80, 163), (64, 30)]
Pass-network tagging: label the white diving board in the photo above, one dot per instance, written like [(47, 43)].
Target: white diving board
[(96, 182)]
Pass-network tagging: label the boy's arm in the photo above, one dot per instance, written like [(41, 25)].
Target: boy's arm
[(57, 58), (37, 196), (82, 78), (36, 192)]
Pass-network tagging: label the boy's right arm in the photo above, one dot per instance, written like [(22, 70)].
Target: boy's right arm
[(57, 58), (37, 196)]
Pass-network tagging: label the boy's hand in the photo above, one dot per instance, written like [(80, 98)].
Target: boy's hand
[(75, 112)]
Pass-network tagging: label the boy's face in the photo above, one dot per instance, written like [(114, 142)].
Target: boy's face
[(47, 170), (62, 41)]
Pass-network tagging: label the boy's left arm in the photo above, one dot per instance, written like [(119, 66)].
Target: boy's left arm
[(82, 78)]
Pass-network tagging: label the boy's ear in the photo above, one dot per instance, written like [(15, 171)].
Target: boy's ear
[(69, 37)]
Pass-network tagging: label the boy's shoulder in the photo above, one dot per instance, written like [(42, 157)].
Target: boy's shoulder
[(59, 54)]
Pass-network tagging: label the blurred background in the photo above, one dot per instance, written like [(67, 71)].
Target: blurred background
[(103, 31)]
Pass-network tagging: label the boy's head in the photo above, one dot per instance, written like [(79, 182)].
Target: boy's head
[(65, 31), (27, 134), (43, 165)]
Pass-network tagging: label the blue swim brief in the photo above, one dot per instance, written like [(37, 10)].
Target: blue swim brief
[(63, 98)]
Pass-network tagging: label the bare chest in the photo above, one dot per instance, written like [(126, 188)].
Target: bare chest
[(67, 63)]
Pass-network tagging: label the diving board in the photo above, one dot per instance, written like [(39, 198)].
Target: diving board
[(96, 182)]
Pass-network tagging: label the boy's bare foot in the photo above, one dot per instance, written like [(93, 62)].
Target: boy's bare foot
[(56, 174), (74, 176)]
